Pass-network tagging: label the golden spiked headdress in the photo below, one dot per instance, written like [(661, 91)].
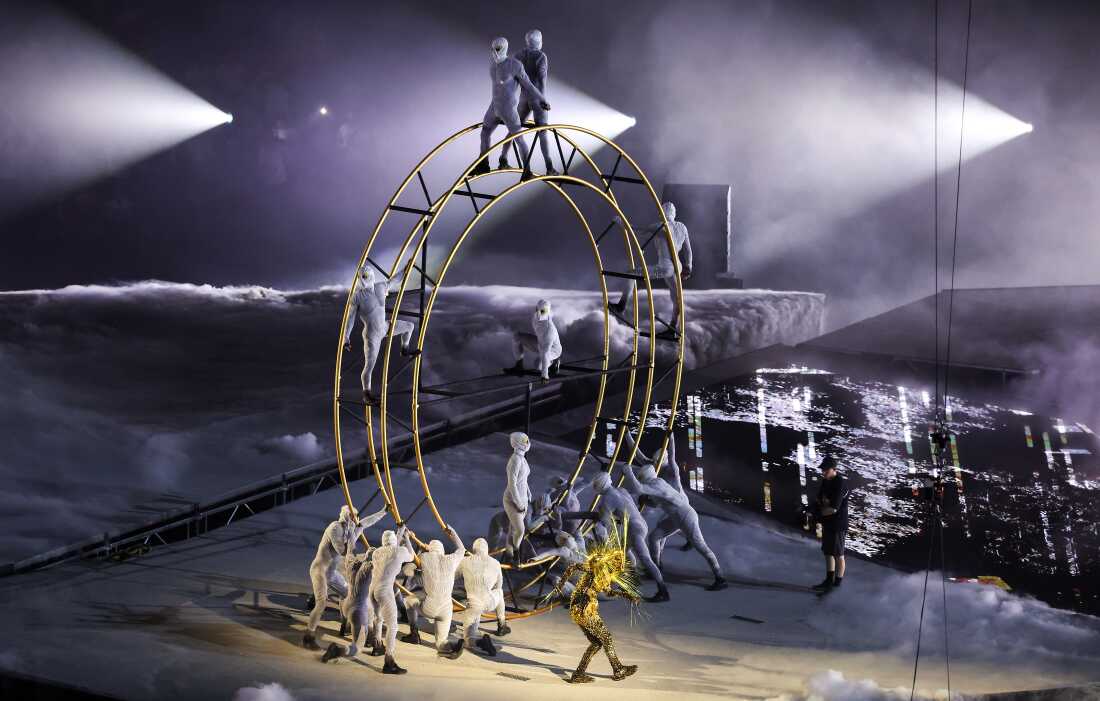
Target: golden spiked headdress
[(608, 563)]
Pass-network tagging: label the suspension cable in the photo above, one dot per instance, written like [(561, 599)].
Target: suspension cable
[(936, 191), (958, 187), (923, 598), (950, 315), (946, 632)]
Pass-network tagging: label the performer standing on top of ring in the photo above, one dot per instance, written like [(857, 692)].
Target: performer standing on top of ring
[(508, 76), (537, 65)]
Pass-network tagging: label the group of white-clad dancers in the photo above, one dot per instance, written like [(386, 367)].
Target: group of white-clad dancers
[(374, 586), (370, 585)]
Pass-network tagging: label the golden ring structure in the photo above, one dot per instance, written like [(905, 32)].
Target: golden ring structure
[(398, 249)]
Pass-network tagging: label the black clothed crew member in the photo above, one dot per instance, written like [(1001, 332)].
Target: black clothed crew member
[(831, 509)]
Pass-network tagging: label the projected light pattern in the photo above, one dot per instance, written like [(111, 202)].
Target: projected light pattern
[(1027, 515)]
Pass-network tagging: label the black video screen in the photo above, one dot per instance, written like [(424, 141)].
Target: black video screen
[(1020, 504)]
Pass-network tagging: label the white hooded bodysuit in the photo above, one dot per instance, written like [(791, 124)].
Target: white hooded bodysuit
[(484, 582), (369, 306), (437, 572)]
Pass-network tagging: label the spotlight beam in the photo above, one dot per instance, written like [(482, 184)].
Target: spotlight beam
[(84, 107)]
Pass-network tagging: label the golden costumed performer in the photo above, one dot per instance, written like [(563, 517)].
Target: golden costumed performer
[(605, 567)]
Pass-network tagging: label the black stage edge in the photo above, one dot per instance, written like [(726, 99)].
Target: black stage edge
[(18, 687)]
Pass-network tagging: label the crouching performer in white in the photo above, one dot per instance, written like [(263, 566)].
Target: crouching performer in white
[(437, 572), (483, 580)]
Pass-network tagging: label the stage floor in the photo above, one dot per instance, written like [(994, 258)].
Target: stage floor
[(202, 619)]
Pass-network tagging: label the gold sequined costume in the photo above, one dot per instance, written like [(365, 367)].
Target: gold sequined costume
[(606, 566)]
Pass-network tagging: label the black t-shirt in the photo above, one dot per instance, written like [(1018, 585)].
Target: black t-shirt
[(834, 493)]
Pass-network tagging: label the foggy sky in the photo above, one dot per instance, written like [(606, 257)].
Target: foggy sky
[(808, 109)]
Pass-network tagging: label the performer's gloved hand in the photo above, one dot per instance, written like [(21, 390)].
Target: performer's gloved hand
[(545, 105)]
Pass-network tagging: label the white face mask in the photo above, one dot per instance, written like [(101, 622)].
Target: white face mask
[(543, 311), (366, 276), (498, 50), (534, 40), (520, 442)]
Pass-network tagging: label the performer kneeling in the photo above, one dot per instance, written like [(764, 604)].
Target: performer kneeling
[(484, 582), (437, 571)]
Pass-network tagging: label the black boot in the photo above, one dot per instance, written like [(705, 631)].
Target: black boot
[(333, 652), (551, 170), (527, 175), (825, 584), (311, 601), (718, 584), (837, 581), (661, 595), (503, 164), (624, 671), (618, 308), (555, 367), (413, 637), (377, 649), (502, 629), (580, 678), (409, 352), (516, 369), (453, 650), (485, 644), (482, 168), (343, 627), (391, 667), (309, 642)]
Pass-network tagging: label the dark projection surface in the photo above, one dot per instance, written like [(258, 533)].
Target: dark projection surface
[(1029, 483)]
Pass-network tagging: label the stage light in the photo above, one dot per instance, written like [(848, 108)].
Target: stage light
[(84, 106), (323, 110), (571, 106), (228, 118), (895, 126), (987, 127)]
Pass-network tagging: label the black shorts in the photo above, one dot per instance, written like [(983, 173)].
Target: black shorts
[(832, 538)]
